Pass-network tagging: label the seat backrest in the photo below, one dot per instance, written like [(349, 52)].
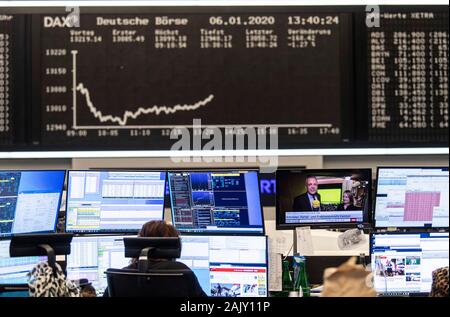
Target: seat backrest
[(154, 283)]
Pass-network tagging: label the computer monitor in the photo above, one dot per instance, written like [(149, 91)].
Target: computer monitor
[(29, 201), (228, 266), (92, 255), (403, 263), (412, 197), (14, 271), (323, 198), (113, 201), (216, 202), (234, 266)]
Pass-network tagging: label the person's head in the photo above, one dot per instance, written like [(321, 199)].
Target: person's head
[(158, 228), (88, 291), (347, 198), (311, 184)]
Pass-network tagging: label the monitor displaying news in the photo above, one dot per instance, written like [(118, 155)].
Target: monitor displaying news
[(403, 263), (91, 256), (216, 202), (29, 201), (412, 197), (113, 201), (15, 271), (228, 266), (323, 198)]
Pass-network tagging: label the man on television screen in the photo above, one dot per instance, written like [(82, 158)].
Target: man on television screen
[(309, 201)]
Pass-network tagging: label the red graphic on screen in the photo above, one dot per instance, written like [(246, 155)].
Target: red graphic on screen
[(184, 216), (419, 205)]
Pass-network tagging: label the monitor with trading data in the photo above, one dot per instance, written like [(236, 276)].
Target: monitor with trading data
[(225, 266), (216, 202), (15, 271), (29, 201), (92, 255), (403, 263), (228, 266), (323, 198), (114, 201), (412, 197)]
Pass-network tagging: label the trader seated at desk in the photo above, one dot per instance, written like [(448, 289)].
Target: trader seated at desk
[(309, 201), (162, 229)]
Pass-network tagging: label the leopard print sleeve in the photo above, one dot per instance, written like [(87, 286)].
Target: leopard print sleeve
[(439, 287), (43, 283)]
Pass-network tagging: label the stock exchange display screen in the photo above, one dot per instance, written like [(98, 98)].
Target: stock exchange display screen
[(132, 77), (216, 202), (6, 77), (408, 77), (266, 77)]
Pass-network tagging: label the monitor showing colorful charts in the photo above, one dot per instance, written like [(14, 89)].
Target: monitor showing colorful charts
[(216, 202), (412, 197), (29, 201)]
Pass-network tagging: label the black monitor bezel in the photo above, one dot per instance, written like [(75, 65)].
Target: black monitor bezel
[(9, 236), (347, 225), (108, 232), (405, 228)]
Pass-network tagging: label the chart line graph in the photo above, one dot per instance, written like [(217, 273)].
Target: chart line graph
[(121, 122), (127, 115)]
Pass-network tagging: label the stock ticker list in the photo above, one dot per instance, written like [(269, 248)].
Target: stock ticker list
[(408, 77), (6, 35), (130, 79)]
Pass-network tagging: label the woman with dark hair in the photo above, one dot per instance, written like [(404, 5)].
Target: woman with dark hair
[(347, 202), (155, 229), (161, 229)]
